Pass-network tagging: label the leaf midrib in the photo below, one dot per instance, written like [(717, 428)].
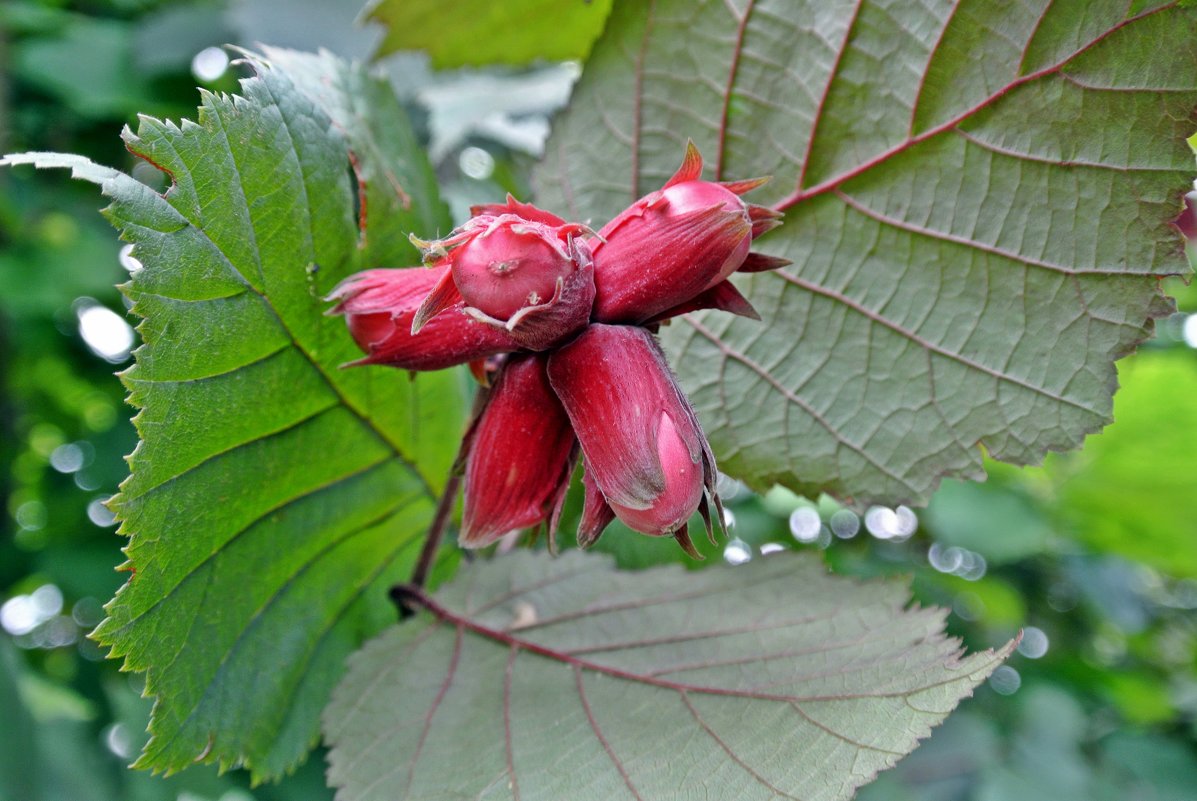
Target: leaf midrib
[(515, 644), (442, 613), (800, 194)]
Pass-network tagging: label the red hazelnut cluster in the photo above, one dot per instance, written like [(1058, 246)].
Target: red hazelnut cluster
[(560, 320)]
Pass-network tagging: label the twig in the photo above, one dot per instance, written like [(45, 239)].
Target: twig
[(436, 531), (444, 507)]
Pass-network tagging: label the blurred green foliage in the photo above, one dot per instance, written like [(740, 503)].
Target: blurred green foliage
[(1093, 555), (484, 32)]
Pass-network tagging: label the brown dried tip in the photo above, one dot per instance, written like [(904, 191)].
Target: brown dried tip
[(757, 213), (762, 262), (763, 227), (682, 535), (704, 509), (723, 296), (764, 219)]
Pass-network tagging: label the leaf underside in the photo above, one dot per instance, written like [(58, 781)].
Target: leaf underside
[(977, 201), (273, 497), (535, 678)]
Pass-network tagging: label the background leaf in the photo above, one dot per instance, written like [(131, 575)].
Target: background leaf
[(991, 519), (479, 32), (20, 760), (273, 496), (545, 679), (89, 65), (1131, 490), (978, 200)]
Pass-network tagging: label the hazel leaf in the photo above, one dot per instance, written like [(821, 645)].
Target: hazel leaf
[(273, 497), (978, 201), (535, 678)]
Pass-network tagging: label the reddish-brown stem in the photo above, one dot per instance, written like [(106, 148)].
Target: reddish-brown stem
[(415, 598), (802, 193), (444, 506), (436, 531)]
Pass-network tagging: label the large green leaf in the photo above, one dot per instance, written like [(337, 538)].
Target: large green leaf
[(480, 32), (977, 199), (397, 187), (273, 496), (535, 678)]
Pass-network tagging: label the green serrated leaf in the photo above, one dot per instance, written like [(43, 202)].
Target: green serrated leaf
[(480, 32), (977, 204), (397, 188), (537, 678), (273, 496)]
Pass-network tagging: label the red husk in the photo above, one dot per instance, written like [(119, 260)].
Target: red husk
[(379, 306), (521, 456), (642, 443), (669, 246)]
